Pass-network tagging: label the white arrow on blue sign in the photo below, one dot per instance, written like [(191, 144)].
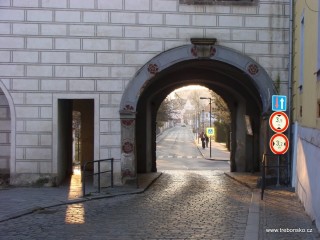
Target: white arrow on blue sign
[(279, 103)]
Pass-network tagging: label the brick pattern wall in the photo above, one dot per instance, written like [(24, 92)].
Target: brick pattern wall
[(96, 46), (209, 2)]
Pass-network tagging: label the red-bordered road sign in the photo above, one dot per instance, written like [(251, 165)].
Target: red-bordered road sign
[(279, 122), (279, 143)]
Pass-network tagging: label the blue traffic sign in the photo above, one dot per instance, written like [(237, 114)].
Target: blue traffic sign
[(210, 132), (279, 103)]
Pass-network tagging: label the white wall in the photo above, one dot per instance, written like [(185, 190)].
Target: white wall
[(95, 47), (308, 171)]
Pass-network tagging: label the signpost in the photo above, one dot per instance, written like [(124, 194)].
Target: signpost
[(279, 123)]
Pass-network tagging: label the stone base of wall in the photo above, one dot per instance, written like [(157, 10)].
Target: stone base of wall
[(33, 179), (4, 170), (308, 171)]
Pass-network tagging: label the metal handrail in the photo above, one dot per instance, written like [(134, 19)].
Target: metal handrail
[(84, 175), (265, 166)]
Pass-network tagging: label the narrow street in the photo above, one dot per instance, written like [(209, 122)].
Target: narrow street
[(176, 149), (179, 205)]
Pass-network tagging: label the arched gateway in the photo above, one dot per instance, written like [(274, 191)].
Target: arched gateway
[(238, 79)]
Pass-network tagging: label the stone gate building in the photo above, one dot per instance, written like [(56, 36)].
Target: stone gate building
[(109, 59)]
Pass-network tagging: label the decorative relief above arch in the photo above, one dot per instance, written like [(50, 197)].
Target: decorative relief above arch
[(153, 68), (253, 69)]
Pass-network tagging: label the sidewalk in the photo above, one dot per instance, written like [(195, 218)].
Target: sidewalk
[(280, 215), (218, 151), (18, 201)]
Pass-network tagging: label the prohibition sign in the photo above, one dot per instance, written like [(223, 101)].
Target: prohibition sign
[(279, 143), (279, 122)]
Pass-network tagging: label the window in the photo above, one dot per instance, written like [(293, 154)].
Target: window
[(211, 2)]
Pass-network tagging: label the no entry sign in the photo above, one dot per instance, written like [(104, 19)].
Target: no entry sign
[(279, 122), (279, 143)]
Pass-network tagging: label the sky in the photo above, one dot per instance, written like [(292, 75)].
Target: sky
[(190, 87)]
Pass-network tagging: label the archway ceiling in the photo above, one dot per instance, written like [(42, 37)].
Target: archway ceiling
[(226, 80)]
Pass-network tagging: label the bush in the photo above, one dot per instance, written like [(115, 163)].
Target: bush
[(221, 132)]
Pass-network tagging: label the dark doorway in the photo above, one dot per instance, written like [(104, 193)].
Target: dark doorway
[(75, 136)]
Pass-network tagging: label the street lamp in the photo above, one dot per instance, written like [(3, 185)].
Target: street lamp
[(209, 118), (202, 115)]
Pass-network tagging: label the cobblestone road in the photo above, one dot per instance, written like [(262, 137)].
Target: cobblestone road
[(179, 205)]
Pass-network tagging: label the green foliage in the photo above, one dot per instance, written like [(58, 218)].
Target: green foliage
[(220, 109), (221, 131), (168, 110)]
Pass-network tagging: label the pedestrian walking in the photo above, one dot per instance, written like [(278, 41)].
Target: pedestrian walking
[(203, 140), (207, 140)]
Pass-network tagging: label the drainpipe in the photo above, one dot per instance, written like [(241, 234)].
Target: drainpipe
[(289, 165)]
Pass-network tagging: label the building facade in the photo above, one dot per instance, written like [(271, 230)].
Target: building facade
[(57, 57), (306, 98)]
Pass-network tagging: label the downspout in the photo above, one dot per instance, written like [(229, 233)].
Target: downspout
[(290, 152)]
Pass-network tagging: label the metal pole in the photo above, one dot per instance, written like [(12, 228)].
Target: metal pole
[(210, 125), (99, 176), (290, 93), (198, 125), (202, 120), (278, 183), (112, 172), (263, 183), (83, 180)]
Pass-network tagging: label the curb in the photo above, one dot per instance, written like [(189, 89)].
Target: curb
[(239, 181), (210, 159), (253, 220)]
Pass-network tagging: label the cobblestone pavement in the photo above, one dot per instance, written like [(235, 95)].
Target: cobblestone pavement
[(282, 217), (179, 205)]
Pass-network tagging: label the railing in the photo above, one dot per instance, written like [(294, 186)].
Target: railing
[(85, 175), (271, 166)]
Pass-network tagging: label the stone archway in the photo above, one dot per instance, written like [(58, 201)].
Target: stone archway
[(241, 81), (7, 132)]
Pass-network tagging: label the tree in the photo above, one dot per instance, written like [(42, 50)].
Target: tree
[(164, 112), (169, 110), (220, 109), (223, 119)]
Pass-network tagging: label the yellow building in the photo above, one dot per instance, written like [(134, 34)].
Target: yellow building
[(306, 105)]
